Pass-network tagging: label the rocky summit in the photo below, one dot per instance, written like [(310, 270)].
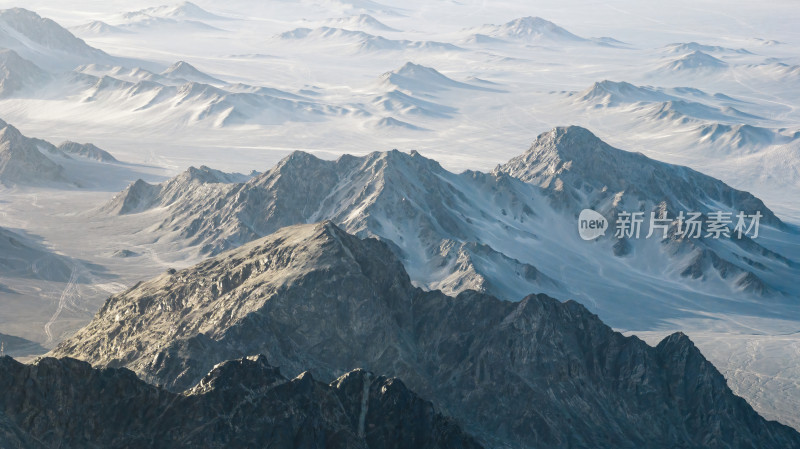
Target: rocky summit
[(535, 373)]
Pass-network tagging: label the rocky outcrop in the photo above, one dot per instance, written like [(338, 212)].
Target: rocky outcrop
[(537, 373), (245, 403)]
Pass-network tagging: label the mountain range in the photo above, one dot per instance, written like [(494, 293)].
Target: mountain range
[(508, 233), (140, 89), (714, 116), (520, 374)]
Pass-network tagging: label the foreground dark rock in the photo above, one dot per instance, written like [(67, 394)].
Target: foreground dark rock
[(537, 373), (246, 403)]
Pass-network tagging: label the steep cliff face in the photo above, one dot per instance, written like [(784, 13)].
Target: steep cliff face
[(241, 403), (529, 374)]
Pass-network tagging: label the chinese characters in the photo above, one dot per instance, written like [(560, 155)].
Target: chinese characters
[(689, 225)]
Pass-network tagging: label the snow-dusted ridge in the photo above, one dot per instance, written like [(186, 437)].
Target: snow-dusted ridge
[(486, 231)]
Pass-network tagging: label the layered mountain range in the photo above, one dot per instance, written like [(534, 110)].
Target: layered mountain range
[(40, 59), (312, 297), (335, 77), (509, 232)]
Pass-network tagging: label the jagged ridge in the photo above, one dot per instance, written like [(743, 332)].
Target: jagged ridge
[(314, 297), (239, 404)]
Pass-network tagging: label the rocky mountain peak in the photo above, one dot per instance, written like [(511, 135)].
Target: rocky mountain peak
[(580, 170), (298, 160), (21, 161), (203, 175), (574, 152), (314, 299), (136, 197), (247, 373)]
